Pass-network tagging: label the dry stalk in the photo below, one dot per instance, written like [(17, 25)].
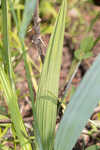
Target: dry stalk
[(36, 39)]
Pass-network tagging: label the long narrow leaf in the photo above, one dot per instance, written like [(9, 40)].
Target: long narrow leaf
[(13, 13), (28, 12), (27, 16), (8, 86), (5, 50), (5, 53), (49, 81), (16, 118), (79, 109)]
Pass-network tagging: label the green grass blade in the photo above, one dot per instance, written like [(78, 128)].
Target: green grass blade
[(11, 100), (5, 52), (13, 13), (79, 109), (28, 75), (28, 12), (8, 84), (49, 81), (93, 147), (93, 21), (27, 16)]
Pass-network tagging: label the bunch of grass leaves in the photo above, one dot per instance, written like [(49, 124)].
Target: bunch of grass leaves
[(6, 72), (82, 103)]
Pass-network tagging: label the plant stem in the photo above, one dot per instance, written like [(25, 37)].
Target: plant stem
[(74, 67), (37, 37)]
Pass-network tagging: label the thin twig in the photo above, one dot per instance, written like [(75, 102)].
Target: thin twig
[(67, 86)]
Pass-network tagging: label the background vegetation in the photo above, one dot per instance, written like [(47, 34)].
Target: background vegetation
[(32, 35)]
